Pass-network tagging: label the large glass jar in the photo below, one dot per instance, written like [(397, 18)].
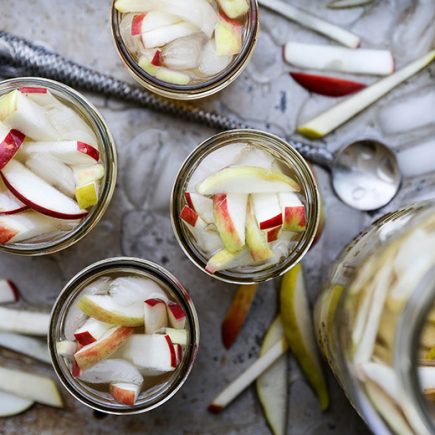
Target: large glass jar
[(375, 317)]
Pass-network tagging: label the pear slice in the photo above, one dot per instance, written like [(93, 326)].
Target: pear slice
[(11, 405), (272, 385), (24, 322), (298, 328), (32, 347), (224, 259)]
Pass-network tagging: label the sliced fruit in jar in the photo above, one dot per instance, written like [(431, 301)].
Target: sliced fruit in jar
[(10, 142), (24, 322), (8, 292), (177, 336), (87, 195), (170, 76), (202, 205), (87, 174), (66, 348), (129, 290), (164, 35), (228, 38), (11, 404), (101, 349), (298, 328), (176, 315), (230, 217), (91, 331), (227, 260), (9, 204), (31, 347), (105, 309), (267, 210), (29, 386), (247, 179), (234, 8), (125, 393), (293, 211), (155, 315), (38, 194), (237, 313), (152, 20)]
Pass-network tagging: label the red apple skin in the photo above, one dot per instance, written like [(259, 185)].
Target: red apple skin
[(157, 59), (31, 90), (6, 234), (176, 311), (189, 215), (273, 234), (84, 338), (154, 302), (89, 150), (9, 146), (136, 24), (295, 219), (14, 289), (172, 351), (125, 397), (272, 222), (75, 369), (231, 21), (189, 200)]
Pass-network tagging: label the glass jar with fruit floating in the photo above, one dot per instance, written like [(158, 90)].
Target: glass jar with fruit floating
[(376, 322), (245, 206), (123, 336), (185, 50), (57, 165)]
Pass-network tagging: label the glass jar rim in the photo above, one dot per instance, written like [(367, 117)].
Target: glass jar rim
[(279, 146), (100, 128), (199, 90), (71, 290)]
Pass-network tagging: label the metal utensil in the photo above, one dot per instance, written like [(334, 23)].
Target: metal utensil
[(365, 174)]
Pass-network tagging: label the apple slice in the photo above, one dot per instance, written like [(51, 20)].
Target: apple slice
[(343, 4), (8, 292), (20, 113), (249, 376), (227, 260), (11, 405), (153, 20), (237, 313), (10, 142), (247, 179), (202, 205), (70, 152), (293, 211), (273, 234), (153, 354), (105, 309), (66, 348), (129, 290), (328, 121), (171, 76), (24, 322), (164, 35), (38, 194), (341, 59), (124, 393), (87, 174), (9, 204), (29, 386), (267, 210), (177, 336), (234, 8), (28, 346), (298, 328), (178, 353), (272, 385), (312, 22), (91, 331), (40, 95), (327, 86), (176, 315), (101, 349), (228, 38), (155, 316), (230, 218)]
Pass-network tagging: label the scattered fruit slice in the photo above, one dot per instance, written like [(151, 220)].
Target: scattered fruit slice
[(228, 38), (29, 386), (234, 8), (328, 121), (227, 260), (8, 292), (10, 143), (176, 316), (87, 195), (237, 313), (101, 349), (298, 328), (311, 22), (91, 331), (11, 405), (328, 86), (28, 346), (129, 290), (202, 205), (341, 59), (293, 211), (66, 348), (267, 210), (104, 309), (230, 218), (343, 4), (249, 376), (177, 336), (155, 316), (24, 322), (247, 179), (272, 385), (125, 393)]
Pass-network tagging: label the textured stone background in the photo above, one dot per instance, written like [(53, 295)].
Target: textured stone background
[(137, 222)]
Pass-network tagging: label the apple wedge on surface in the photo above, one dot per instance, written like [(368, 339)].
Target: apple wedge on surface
[(298, 328), (11, 404), (272, 385), (227, 260), (129, 290), (28, 346), (125, 393), (228, 38), (176, 315), (9, 204), (8, 292), (331, 119), (105, 309), (155, 315), (91, 331), (177, 336), (24, 322), (267, 210), (38, 194), (247, 179), (10, 142), (202, 205), (237, 313), (101, 349), (249, 376), (29, 386), (293, 211), (230, 218)]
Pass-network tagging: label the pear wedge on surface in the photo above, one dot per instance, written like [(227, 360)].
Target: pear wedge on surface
[(298, 328), (11, 405)]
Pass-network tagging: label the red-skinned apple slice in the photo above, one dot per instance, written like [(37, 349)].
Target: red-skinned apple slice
[(202, 205), (156, 19), (273, 234), (230, 218), (136, 24), (11, 404), (224, 259), (328, 121), (155, 315), (38, 194), (124, 393), (177, 336), (164, 35), (40, 95), (31, 347), (91, 331), (8, 292), (24, 322), (176, 316), (101, 349), (327, 86), (228, 38), (234, 8), (9, 204), (293, 211), (10, 142), (267, 210)]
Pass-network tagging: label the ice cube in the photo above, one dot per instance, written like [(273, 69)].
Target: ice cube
[(184, 53), (212, 64), (418, 159)]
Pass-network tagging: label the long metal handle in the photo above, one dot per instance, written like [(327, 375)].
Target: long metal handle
[(17, 55)]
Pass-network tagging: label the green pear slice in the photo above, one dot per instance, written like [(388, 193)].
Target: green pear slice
[(298, 327), (328, 121), (11, 404), (224, 259), (272, 385), (24, 322)]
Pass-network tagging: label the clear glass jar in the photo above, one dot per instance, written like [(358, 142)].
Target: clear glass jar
[(374, 321), (288, 158), (154, 397), (194, 91), (107, 156)]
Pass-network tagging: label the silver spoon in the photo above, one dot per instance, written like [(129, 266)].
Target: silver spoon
[(365, 174)]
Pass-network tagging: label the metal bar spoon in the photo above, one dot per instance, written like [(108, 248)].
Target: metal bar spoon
[(365, 174)]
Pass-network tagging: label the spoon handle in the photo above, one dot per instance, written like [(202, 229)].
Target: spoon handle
[(19, 56)]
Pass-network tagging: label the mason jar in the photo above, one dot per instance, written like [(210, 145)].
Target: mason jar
[(288, 158), (203, 88), (108, 159), (93, 397), (375, 321)]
